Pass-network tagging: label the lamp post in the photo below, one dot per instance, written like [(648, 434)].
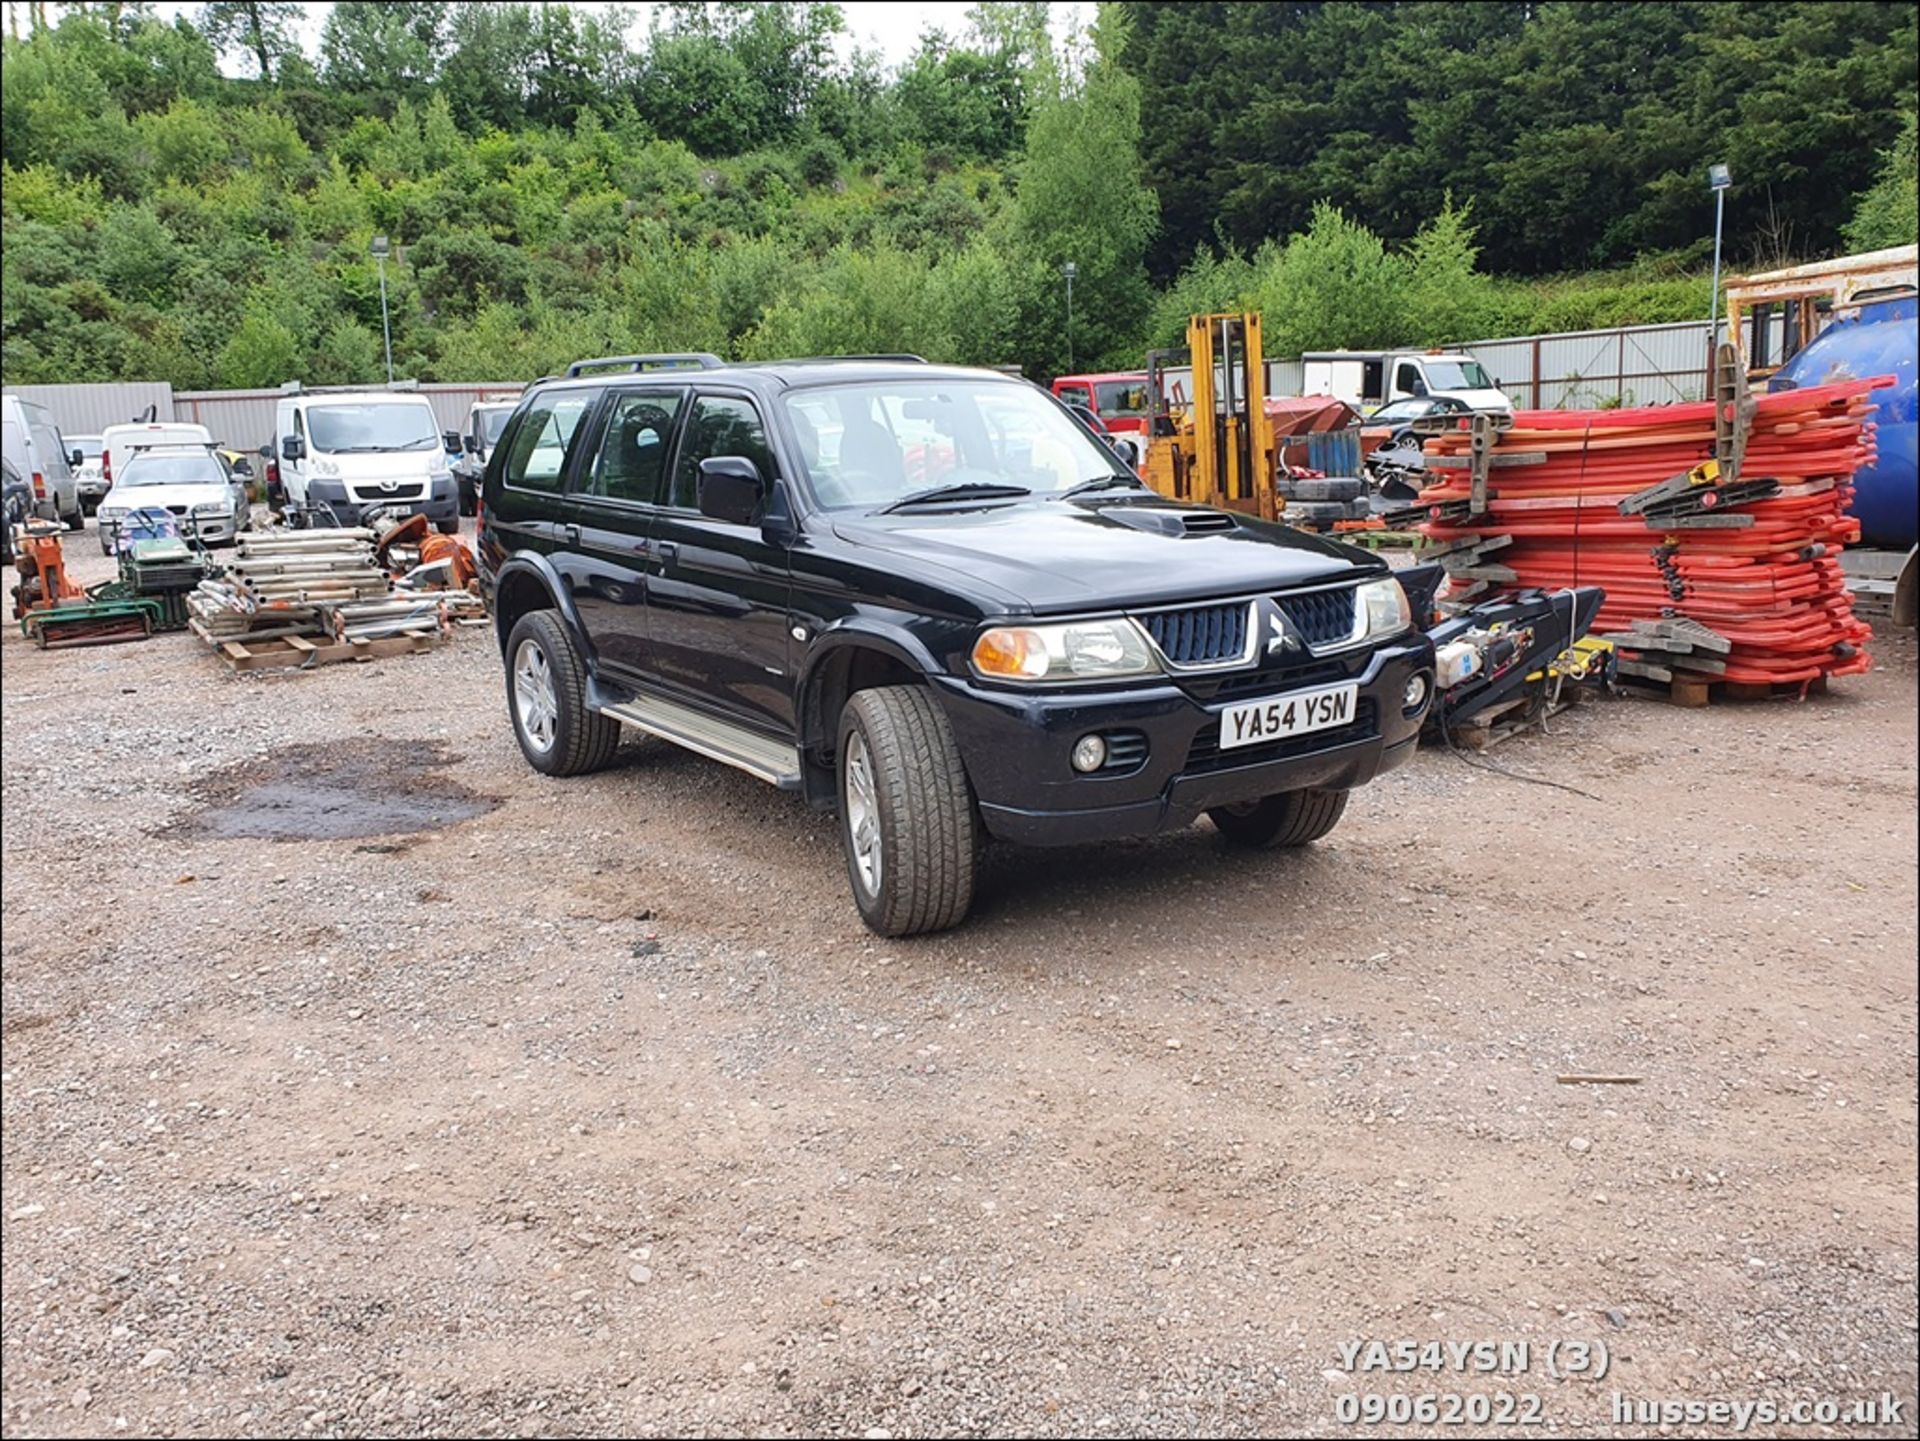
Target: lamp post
[(380, 248), (1069, 270), (1718, 178)]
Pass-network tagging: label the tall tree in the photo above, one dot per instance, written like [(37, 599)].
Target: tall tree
[(265, 28), (390, 50)]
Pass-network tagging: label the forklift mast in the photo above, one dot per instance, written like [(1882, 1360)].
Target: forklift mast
[(1230, 460)]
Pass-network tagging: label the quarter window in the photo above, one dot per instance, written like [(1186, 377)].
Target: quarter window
[(719, 425), (543, 440)]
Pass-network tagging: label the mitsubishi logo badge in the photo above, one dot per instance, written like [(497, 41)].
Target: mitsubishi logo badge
[(1277, 637)]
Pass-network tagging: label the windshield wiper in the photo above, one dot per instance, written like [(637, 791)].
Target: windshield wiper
[(1102, 482), (966, 490)]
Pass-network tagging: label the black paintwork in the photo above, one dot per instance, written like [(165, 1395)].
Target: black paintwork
[(752, 623)]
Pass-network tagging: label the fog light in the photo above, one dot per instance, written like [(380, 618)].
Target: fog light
[(1089, 754), (1416, 695)]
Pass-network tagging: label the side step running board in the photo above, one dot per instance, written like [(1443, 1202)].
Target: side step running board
[(746, 750)]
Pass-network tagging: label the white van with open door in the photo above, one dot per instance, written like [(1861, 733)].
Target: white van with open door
[(350, 452)]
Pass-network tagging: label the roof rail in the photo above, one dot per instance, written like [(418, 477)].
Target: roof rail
[(295, 387), (829, 359), (688, 360)]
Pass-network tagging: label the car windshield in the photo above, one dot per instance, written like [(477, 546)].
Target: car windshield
[(201, 469), (337, 428), (1404, 410), (1122, 397), (492, 422), (1458, 375), (871, 445)]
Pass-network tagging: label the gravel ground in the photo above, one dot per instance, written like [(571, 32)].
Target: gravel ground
[(597, 1111)]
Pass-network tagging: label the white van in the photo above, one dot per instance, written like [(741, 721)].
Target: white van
[(355, 451), (119, 442), (1369, 379), (39, 456)]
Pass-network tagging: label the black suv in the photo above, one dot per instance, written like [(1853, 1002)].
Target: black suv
[(929, 599)]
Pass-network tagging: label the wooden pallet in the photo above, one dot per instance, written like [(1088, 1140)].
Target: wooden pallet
[(298, 653), (1512, 718), (1692, 691)]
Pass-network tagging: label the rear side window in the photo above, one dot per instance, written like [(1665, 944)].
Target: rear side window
[(718, 425), (544, 439), (632, 463)]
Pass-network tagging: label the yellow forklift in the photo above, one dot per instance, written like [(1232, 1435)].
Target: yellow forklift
[(1218, 448)]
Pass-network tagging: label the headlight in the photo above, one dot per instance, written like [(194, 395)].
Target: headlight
[(213, 508), (1386, 607), (110, 517), (1081, 650), (324, 467)]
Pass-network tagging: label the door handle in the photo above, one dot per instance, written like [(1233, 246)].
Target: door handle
[(667, 551), (571, 533)]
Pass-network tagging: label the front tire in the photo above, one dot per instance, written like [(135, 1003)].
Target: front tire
[(448, 527), (907, 817), (559, 734), (1293, 818)]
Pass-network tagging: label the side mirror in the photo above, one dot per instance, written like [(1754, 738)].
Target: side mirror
[(469, 445), (450, 440), (77, 457), (1127, 449), (292, 447), (731, 489)]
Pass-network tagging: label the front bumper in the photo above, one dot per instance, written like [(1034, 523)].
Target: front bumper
[(441, 503), (1016, 746)]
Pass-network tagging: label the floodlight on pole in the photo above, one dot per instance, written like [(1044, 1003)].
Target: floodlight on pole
[(380, 249)]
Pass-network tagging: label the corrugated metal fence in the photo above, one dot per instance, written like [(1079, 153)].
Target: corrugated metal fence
[(90, 409), (242, 419), (1573, 370)]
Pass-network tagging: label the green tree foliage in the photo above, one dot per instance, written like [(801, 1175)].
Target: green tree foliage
[(1412, 172), (1579, 132), (263, 29), (1081, 201), (1889, 212)]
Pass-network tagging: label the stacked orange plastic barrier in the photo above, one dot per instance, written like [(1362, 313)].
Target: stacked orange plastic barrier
[(1773, 589)]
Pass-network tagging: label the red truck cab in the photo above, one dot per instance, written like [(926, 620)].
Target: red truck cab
[(1119, 398)]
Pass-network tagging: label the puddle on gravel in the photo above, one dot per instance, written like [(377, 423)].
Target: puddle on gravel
[(334, 792)]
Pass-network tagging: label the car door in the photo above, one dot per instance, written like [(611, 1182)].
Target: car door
[(617, 492), (718, 601)]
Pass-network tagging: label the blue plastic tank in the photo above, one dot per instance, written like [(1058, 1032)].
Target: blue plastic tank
[(1881, 339)]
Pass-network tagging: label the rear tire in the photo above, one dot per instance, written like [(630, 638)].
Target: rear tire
[(76, 519), (907, 817), (547, 699), (1292, 818)]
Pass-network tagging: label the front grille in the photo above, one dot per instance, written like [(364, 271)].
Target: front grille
[(1201, 634), (374, 495), (1320, 617), (1205, 753)]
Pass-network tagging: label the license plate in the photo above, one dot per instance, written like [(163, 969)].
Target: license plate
[(1278, 717)]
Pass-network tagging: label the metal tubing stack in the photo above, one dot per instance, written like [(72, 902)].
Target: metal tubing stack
[(316, 583), (1755, 565)]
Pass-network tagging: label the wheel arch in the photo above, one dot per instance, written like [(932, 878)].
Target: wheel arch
[(842, 663), (528, 583)]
